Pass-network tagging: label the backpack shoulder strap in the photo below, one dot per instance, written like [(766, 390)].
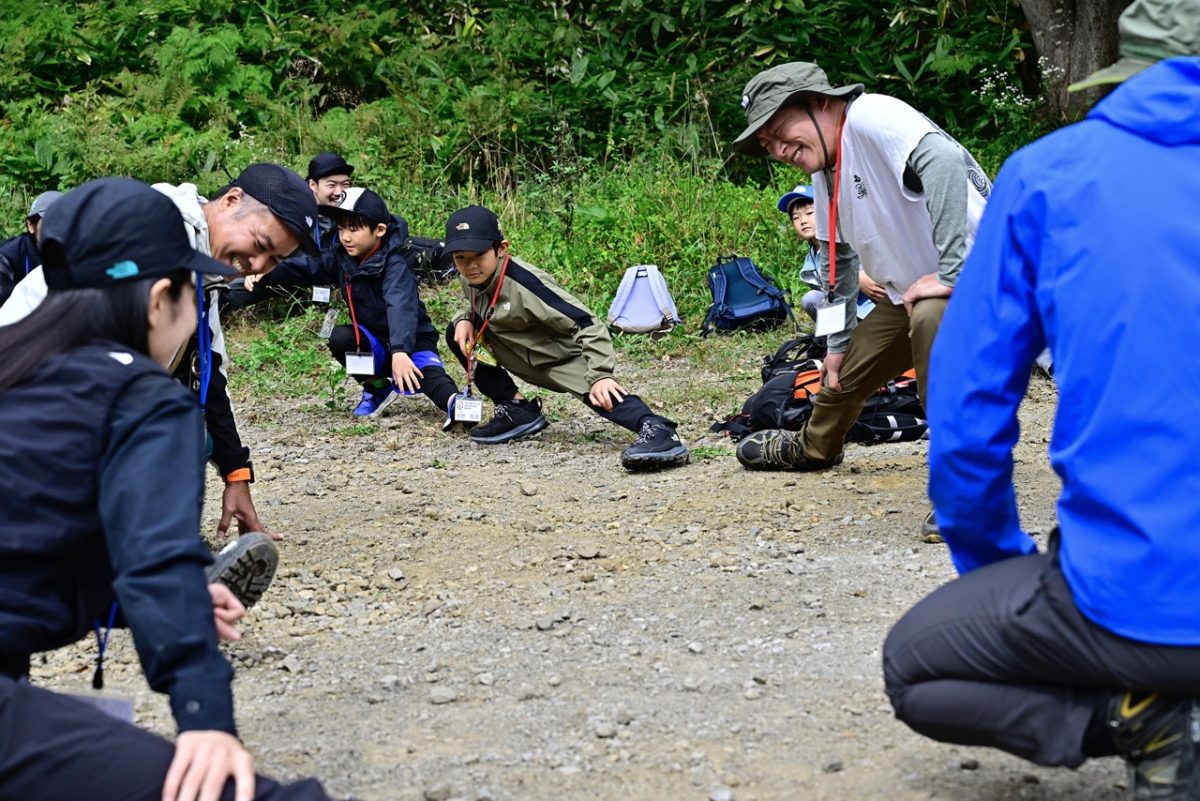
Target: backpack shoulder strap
[(662, 294), (623, 292)]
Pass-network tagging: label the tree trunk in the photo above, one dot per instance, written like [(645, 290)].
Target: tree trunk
[(1073, 39)]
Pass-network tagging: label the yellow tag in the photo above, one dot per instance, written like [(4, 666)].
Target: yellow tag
[(483, 357)]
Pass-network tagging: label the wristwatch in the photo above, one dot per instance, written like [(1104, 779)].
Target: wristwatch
[(241, 474)]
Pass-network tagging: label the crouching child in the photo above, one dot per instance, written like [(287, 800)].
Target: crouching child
[(520, 321), (390, 346)]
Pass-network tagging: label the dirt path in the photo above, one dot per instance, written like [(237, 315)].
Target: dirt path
[(531, 622)]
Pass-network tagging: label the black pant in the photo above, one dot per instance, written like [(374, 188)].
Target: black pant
[(53, 747), (1002, 657), (436, 384), (497, 385)]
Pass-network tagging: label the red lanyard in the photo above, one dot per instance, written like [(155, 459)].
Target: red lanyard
[(353, 317), (487, 318), (837, 182)]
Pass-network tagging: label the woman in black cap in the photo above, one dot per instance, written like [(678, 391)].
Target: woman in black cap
[(100, 455)]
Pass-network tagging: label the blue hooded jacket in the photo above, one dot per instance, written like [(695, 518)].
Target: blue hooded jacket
[(1072, 217)]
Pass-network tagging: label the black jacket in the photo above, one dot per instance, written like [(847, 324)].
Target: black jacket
[(18, 256), (381, 291), (102, 460)]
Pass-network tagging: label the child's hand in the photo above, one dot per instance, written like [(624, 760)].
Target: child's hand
[(607, 393), (250, 281), (405, 373), (464, 331)]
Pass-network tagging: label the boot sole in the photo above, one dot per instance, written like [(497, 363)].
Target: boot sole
[(246, 566), (656, 461), (532, 427)]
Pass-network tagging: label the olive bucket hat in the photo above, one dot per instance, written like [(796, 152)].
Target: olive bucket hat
[(771, 89), (1150, 31)]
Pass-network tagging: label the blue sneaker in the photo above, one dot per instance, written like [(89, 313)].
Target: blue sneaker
[(374, 401)]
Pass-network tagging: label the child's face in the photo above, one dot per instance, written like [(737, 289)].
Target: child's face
[(804, 220), (478, 268), (359, 237)]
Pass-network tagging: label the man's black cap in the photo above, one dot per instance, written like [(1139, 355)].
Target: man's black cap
[(362, 203), (288, 197), (324, 164), (473, 229), (112, 230)]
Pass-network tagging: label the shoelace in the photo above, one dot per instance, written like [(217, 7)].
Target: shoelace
[(646, 434)]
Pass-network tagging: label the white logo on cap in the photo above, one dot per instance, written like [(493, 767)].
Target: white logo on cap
[(745, 102), (308, 221), (463, 226)]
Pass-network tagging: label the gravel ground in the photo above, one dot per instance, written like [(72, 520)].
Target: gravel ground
[(531, 622)]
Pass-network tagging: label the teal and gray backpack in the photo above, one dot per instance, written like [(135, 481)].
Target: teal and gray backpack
[(743, 298), (643, 304)]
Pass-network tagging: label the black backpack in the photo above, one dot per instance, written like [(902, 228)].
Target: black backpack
[(742, 297), (429, 261), (792, 354)]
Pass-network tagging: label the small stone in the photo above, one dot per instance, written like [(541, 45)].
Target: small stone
[(752, 693), (696, 648), (1029, 778), (721, 794), (691, 684), (390, 681), (757, 604), (442, 695), (439, 792), (969, 764), (291, 663), (528, 489), (554, 680), (588, 551), (832, 767), (605, 730), (624, 718), (396, 574), (486, 679), (545, 623)]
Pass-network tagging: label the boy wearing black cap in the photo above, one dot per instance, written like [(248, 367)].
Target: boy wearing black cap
[(534, 329), (390, 347), (19, 255)]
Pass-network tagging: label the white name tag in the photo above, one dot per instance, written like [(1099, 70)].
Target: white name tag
[(330, 321), (831, 319), (468, 410), (360, 363), (320, 294)]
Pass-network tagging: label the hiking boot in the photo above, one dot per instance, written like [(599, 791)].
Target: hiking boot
[(777, 449), (929, 528), (657, 446), (1159, 736), (510, 420), (246, 566), (374, 401)]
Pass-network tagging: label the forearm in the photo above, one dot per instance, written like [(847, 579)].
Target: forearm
[(938, 163), (596, 344)]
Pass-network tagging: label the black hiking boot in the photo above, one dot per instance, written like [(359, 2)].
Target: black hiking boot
[(657, 446), (777, 449), (1159, 736), (246, 566), (511, 420)]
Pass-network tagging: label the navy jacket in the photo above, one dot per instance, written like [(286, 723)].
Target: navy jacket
[(382, 290), (101, 457), (18, 256)]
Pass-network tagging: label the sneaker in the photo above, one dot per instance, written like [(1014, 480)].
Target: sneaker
[(512, 419), (246, 566), (929, 528), (374, 401), (777, 449), (657, 446), (1159, 736)]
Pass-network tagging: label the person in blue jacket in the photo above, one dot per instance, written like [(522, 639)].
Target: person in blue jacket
[(19, 255), (101, 454), (1093, 647), (390, 345)]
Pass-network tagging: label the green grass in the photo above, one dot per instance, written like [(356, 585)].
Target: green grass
[(707, 452)]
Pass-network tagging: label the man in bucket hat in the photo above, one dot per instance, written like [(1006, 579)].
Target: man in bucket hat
[(906, 198), (1091, 648)]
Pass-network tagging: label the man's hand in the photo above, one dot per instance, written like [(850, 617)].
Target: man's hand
[(927, 286), (236, 503), (405, 373), (607, 393), (464, 331), (203, 761), (867, 285), (227, 610), (831, 369)]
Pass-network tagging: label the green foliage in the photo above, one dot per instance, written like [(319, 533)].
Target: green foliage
[(288, 359)]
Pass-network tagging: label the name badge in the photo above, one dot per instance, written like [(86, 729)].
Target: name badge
[(831, 319), (468, 410), (359, 363), (320, 294), (330, 321), (114, 706)]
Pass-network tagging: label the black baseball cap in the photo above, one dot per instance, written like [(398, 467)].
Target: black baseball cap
[(112, 230), (288, 197), (359, 202), (324, 164), (473, 229)]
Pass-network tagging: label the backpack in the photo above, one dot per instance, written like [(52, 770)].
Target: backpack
[(792, 354), (428, 260), (892, 414), (643, 304), (743, 298)]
